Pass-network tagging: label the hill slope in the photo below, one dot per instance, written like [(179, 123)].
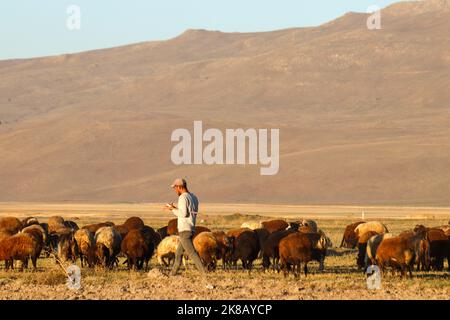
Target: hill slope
[(364, 116)]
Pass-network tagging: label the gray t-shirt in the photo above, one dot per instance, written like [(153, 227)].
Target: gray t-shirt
[(186, 212)]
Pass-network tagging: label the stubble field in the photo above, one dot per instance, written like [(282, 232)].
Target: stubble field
[(340, 280)]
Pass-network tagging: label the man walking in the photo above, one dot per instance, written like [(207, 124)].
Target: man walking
[(187, 213)]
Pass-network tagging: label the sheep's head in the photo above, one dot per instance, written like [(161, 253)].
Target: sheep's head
[(229, 244), (102, 254), (67, 249), (323, 243), (294, 225), (92, 257), (420, 231)]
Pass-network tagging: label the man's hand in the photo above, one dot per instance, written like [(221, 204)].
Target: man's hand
[(170, 206)]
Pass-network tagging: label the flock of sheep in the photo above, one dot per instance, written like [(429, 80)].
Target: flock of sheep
[(427, 248), (282, 246)]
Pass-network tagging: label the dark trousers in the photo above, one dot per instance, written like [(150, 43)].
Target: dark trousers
[(187, 246)]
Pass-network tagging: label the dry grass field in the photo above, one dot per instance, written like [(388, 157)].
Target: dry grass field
[(340, 280)]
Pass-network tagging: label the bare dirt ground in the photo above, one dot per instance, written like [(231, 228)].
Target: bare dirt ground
[(340, 280)]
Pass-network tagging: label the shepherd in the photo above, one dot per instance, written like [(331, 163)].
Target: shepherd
[(186, 212)]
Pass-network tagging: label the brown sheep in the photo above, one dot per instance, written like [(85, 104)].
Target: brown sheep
[(225, 244), (5, 234), (37, 233), (306, 229), (433, 254), (10, 224), (47, 247), (439, 248), (67, 247), (423, 260), (295, 249), (321, 243), (445, 228), (310, 224), (274, 225), (37, 227), (152, 239), (270, 248), (200, 229), (22, 246), (236, 232), (349, 239), (246, 249), (123, 230), (208, 249), (138, 248), (163, 232), (172, 227), (362, 248), (400, 252), (151, 234), (55, 235), (94, 227), (85, 241), (133, 223), (262, 234), (55, 223)]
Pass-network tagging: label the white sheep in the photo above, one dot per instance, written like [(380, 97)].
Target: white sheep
[(374, 226), (167, 249), (251, 225), (107, 241)]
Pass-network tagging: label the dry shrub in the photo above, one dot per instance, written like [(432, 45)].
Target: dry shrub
[(49, 278)]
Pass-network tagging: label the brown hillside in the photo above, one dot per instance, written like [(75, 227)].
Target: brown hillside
[(364, 116)]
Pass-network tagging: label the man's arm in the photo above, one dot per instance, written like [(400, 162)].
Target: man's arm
[(181, 212)]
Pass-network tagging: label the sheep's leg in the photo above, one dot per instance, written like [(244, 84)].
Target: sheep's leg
[(448, 262), (34, 262), (306, 269), (297, 268), (322, 264), (403, 271), (283, 268), (6, 265), (410, 272), (22, 265)]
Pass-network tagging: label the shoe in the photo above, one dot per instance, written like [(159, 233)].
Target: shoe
[(209, 286)]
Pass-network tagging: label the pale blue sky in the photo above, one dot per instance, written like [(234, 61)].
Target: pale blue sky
[(30, 28)]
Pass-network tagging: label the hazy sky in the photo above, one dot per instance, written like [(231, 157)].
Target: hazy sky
[(30, 28)]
